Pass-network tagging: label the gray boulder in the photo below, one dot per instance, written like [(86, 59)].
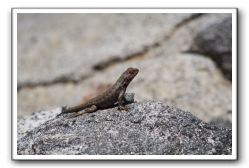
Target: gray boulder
[(29, 122), (216, 42), (147, 128)]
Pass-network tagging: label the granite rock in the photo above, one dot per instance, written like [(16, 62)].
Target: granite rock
[(149, 128), (29, 122)]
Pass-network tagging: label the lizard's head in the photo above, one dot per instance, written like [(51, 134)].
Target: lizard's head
[(128, 75)]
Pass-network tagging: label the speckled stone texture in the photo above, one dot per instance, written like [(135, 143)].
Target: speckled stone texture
[(147, 128)]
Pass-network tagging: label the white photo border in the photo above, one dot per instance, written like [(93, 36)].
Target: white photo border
[(233, 11)]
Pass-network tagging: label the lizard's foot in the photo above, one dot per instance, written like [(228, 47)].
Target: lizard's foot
[(123, 108)]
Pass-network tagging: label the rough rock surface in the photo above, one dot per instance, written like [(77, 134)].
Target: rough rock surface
[(29, 122), (147, 128)]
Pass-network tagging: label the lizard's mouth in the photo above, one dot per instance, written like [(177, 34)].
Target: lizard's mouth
[(135, 72), (131, 72)]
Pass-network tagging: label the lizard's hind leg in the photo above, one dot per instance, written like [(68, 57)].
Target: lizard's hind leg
[(90, 109)]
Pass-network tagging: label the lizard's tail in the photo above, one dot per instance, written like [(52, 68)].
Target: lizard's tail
[(66, 109)]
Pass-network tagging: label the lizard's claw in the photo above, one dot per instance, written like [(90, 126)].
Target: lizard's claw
[(123, 108)]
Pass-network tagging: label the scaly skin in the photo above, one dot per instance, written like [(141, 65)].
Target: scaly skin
[(109, 97)]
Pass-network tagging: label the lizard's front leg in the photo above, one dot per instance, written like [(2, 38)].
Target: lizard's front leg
[(121, 100), (90, 109)]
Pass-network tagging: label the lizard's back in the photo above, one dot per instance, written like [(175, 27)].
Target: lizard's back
[(102, 101)]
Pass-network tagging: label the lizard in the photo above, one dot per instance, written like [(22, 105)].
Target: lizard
[(107, 99)]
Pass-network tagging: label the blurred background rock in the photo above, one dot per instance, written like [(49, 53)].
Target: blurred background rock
[(184, 60)]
